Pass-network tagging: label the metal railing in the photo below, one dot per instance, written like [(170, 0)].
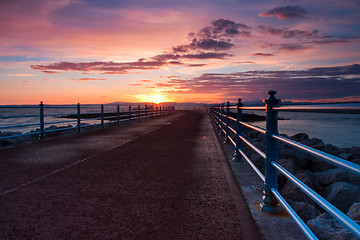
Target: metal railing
[(271, 196), (78, 115)]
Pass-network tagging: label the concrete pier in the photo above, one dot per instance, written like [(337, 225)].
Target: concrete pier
[(164, 178)]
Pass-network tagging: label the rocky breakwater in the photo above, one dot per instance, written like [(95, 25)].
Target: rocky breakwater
[(340, 187), (18, 137)]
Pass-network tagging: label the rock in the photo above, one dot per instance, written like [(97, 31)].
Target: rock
[(342, 195), (313, 142), (325, 227), (300, 159), (329, 148), (292, 192), (52, 127), (9, 133), (354, 212), (344, 155), (318, 165), (337, 175), (305, 210), (289, 165), (258, 161), (300, 137)]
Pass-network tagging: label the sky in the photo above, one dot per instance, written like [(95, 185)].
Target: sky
[(203, 51)]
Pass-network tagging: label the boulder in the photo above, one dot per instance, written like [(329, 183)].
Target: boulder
[(313, 142), (300, 158), (354, 212), (342, 195), (344, 155), (291, 191), (300, 137), (337, 175), (305, 210), (259, 162), (289, 165), (325, 227), (318, 165)]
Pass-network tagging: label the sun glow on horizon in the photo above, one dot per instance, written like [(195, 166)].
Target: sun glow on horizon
[(157, 98)]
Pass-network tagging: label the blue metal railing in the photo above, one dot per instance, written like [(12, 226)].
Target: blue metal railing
[(272, 197), (97, 115)]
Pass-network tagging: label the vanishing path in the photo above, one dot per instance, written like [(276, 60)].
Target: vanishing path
[(164, 178)]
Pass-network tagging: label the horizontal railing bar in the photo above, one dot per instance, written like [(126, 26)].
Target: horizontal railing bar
[(252, 146), (336, 213), (263, 131), (240, 151), (354, 168), (252, 108), (24, 125), (306, 230), (258, 172), (351, 110), (249, 126)]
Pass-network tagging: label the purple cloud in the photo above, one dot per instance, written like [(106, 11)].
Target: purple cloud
[(286, 13), (263, 54), (206, 45), (288, 33), (312, 84)]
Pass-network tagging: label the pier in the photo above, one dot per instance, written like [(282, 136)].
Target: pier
[(163, 178)]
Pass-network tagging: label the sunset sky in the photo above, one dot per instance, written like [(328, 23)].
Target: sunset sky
[(208, 51)]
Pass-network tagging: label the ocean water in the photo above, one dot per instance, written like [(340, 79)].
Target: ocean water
[(52, 116), (341, 130)]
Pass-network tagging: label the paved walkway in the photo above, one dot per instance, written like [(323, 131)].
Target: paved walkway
[(164, 178)]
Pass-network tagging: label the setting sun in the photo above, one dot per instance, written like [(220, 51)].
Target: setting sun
[(153, 98)]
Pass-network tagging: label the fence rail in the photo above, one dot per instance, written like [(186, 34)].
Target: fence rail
[(271, 196), (79, 115)]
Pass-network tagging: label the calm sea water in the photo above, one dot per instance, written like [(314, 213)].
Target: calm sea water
[(54, 112), (341, 130)]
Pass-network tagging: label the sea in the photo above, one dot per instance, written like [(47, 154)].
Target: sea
[(341, 130), (25, 118), (338, 129)]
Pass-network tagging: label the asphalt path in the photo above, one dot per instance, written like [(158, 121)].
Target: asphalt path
[(164, 178)]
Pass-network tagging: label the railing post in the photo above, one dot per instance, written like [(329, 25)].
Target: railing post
[(138, 112), (221, 118), (42, 122), (227, 122), (237, 156), (146, 113), (130, 113), (152, 111), (78, 118), (102, 116), (156, 111), (270, 203), (118, 115)]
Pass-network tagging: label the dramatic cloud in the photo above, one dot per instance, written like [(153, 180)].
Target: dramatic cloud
[(208, 43), (263, 54), (215, 37), (106, 67), (313, 84), (207, 55), (286, 13), (288, 33)]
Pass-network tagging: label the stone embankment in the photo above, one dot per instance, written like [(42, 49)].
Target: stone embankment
[(340, 187)]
